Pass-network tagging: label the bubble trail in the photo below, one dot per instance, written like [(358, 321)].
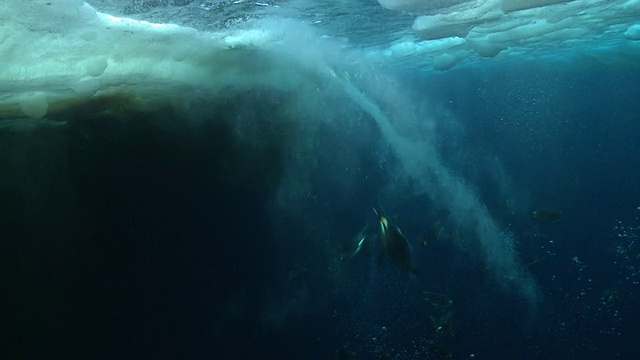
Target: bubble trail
[(421, 162)]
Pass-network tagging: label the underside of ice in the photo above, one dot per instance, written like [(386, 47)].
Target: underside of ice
[(527, 28), (57, 53)]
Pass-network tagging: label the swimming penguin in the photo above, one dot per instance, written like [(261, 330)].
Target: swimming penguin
[(394, 244), (353, 247)]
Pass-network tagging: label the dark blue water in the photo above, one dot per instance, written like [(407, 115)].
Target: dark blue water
[(568, 142), (136, 236)]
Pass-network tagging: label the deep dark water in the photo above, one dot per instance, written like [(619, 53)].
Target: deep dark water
[(216, 233), (566, 140), (155, 234), (129, 233)]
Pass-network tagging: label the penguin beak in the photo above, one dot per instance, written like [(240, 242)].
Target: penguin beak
[(384, 224)]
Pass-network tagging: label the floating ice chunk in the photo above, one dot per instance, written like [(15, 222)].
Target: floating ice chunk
[(633, 32), (404, 48), (525, 28), (443, 45), (433, 27), (96, 66), (86, 88), (127, 23), (407, 48), (419, 5), (485, 48), (513, 5), (456, 23), (534, 29), (444, 61), (34, 106)]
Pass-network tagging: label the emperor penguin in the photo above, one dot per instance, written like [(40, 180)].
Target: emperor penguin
[(394, 244)]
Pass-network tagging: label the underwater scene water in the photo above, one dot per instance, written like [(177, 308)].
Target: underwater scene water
[(315, 180)]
